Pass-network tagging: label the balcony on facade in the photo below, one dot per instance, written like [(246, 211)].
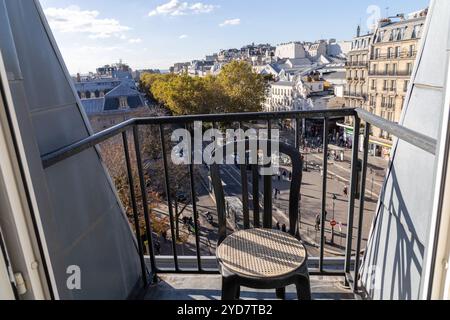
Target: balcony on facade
[(358, 64), (390, 73), (359, 95), (394, 56)]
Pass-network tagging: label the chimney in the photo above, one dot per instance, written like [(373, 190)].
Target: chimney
[(358, 31), (78, 77)]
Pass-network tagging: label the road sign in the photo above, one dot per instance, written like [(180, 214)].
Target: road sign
[(333, 223)]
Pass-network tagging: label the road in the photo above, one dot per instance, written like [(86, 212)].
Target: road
[(310, 206)]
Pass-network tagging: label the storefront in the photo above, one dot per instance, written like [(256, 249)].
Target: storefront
[(377, 147)]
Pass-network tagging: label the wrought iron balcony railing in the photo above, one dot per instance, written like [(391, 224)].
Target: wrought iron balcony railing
[(355, 95), (359, 64), (394, 56), (353, 243), (384, 73)]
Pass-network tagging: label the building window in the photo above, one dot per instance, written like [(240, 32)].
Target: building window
[(393, 85), (416, 32), (397, 52), (412, 50), (405, 85), (394, 69), (390, 53), (409, 68), (123, 103), (391, 102), (385, 87), (374, 84)]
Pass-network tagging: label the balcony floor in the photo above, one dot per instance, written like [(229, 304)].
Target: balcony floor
[(208, 287)]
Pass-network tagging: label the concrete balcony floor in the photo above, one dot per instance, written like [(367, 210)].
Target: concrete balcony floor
[(208, 287)]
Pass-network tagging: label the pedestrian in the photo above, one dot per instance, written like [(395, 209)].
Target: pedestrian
[(278, 226), (158, 247), (284, 228), (318, 222), (345, 191), (210, 218)]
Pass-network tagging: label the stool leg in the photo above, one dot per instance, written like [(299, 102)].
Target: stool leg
[(237, 296), (303, 288), (230, 288), (281, 293)]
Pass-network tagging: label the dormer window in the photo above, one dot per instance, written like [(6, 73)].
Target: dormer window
[(123, 103)]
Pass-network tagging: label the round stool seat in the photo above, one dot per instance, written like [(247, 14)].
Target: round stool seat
[(261, 253)]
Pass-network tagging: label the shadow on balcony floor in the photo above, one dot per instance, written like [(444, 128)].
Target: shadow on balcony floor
[(208, 287)]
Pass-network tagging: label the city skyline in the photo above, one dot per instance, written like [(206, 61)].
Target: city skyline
[(157, 34)]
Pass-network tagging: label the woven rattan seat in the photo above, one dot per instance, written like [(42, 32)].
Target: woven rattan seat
[(261, 253)]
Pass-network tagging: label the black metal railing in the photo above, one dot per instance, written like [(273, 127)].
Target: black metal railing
[(393, 56), (352, 94), (390, 73), (359, 64), (349, 271)]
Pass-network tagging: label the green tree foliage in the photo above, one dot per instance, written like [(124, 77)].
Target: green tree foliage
[(236, 89)]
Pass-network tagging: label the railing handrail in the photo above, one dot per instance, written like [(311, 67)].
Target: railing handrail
[(57, 156), (402, 133)]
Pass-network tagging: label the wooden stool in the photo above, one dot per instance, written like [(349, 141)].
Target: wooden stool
[(263, 259)]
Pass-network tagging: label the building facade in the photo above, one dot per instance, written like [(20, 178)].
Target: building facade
[(110, 97), (281, 96), (392, 59), (357, 69)]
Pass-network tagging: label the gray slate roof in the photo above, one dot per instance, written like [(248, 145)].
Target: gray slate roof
[(92, 106), (122, 90)]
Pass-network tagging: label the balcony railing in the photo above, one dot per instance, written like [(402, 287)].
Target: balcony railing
[(394, 56), (355, 95), (359, 64), (391, 73), (349, 270)]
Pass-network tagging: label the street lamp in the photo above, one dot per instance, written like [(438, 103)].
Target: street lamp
[(333, 223)]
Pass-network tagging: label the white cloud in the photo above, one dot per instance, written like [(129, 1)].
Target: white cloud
[(135, 40), (178, 8), (183, 36), (74, 20), (231, 22)]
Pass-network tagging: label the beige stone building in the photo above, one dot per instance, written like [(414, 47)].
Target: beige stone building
[(392, 57), (379, 68), (357, 69)]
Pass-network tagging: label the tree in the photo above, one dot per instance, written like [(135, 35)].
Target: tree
[(236, 89), (245, 89)]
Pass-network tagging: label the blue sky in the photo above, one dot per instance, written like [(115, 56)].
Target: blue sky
[(158, 33)]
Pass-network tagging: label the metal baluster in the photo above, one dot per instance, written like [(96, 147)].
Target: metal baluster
[(194, 205), (169, 198), (244, 181), (148, 226), (135, 210), (352, 196), (324, 193), (361, 203), (297, 134), (268, 190), (256, 205)]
